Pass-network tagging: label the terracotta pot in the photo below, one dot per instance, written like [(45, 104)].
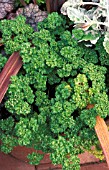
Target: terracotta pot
[(21, 154)]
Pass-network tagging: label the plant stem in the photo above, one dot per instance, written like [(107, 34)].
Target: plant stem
[(23, 2), (35, 2)]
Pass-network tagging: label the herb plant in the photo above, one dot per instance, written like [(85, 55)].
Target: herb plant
[(47, 102), (3, 60)]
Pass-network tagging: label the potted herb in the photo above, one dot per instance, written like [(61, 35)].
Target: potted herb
[(53, 102), (93, 19)]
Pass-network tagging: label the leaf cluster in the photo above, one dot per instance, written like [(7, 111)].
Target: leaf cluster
[(3, 61), (48, 99)]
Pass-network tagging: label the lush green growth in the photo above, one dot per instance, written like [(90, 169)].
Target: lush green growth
[(35, 158), (3, 60), (40, 1), (48, 100)]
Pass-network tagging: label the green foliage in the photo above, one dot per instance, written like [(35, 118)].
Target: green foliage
[(3, 60), (25, 129), (104, 56), (35, 158), (88, 117), (27, 1), (53, 22), (47, 101), (22, 96), (61, 155), (40, 1), (6, 125), (20, 34), (8, 142), (7, 135), (91, 56)]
